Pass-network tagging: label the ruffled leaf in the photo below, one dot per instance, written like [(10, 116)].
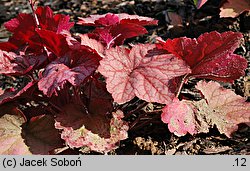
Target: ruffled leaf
[(88, 140), (180, 118), (111, 19), (11, 141), (221, 108)]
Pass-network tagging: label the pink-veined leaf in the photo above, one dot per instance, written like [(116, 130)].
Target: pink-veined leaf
[(92, 43), (88, 141), (131, 73), (73, 67), (211, 55), (40, 135), (1, 91), (140, 20), (54, 77), (233, 8), (229, 109), (221, 108), (13, 64)]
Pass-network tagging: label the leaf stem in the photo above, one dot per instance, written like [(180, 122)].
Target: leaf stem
[(31, 7), (183, 80)]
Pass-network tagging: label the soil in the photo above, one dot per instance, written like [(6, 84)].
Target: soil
[(149, 135)]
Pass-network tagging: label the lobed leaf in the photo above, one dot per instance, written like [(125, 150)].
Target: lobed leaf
[(56, 43), (14, 64), (229, 109), (131, 73), (56, 23), (74, 67), (24, 27), (113, 29), (211, 55), (221, 108), (97, 95)]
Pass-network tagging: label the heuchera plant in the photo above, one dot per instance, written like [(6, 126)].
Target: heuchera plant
[(76, 80)]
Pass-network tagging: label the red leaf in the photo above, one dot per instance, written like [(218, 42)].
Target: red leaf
[(11, 94), (97, 95), (26, 22), (131, 73), (112, 19), (211, 55), (40, 135), (180, 118), (113, 29), (108, 20), (233, 8), (123, 31), (24, 26), (22, 23), (56, 23), (56, 43), (8, 46)]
